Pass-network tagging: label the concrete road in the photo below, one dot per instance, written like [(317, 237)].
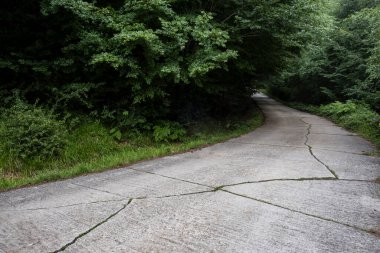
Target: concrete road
[(297, 184)]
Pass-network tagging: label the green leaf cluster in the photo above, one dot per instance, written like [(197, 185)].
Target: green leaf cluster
[(28, 131), (168, 131)]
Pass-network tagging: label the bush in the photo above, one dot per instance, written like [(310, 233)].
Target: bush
[(351, 114), (167, 131), (355, 116), (28, 131), (339, 109)]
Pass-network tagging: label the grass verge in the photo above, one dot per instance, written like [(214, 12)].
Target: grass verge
[(90, 149)]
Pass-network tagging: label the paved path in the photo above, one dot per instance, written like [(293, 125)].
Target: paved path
[(297, 184)]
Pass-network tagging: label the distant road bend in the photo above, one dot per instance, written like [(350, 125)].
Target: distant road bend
[(299, 183)]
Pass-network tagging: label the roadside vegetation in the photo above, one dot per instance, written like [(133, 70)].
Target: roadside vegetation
[(90, 147), (354, 116)]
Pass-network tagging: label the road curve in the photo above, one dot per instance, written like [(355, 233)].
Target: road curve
[(299, 183)]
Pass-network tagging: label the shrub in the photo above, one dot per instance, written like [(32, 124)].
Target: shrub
[(351, 114), (28, 131), (167, 131), (355, 116), (338, 109)]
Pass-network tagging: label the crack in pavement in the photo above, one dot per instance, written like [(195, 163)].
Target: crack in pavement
[(221, 188), (337, 134), (284, 179), (113, 200), (178, 179), (341, 151), (96, 189), (300, 212), (301, 147), (264, 144), (284, 132), (62, 206), (179, 195), (301, 179), (214, 189), (92, 228), (63, 248), (311, 150)]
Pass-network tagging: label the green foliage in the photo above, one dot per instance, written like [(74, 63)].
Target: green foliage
[(352, 115), (356, 64), (348, 7), (344, 64), (339, 109), (28, 131), (357, 117), (149, 58), (87, 142), (116, 133), (84, 56), (168, 131)]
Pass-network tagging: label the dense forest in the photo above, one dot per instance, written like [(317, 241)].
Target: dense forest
[(133, 63), (154, 67), (344, 63)]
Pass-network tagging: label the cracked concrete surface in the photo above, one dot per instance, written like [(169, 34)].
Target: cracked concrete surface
[(306, 143), (297, 184)]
